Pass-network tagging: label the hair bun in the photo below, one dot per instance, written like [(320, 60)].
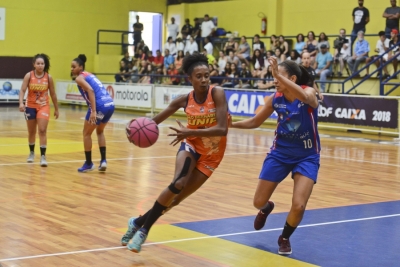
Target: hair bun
[(82, 57)]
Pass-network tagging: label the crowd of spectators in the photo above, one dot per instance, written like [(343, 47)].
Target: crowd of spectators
[(240, 64)]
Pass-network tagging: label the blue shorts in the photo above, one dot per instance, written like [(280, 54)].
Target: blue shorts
[(103, 114), (277, 167)]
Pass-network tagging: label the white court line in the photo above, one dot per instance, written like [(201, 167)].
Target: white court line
[(116, 159), (197, 238)]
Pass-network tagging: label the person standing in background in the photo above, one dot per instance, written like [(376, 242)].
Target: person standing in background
[(392, 15), (173, 29), (186, 30), (360, 19), (137, 32)]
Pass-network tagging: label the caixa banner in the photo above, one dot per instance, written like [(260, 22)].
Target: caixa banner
[(366, 111), (246, 103)]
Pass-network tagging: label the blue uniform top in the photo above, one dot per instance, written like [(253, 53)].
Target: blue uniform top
[(100, 93), (296, 133)]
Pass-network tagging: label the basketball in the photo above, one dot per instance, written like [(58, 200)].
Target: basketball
[(142, 132)]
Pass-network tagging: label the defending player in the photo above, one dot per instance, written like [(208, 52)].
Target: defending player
[(101, 108), (37, 109), (201, 150), (295, 149)]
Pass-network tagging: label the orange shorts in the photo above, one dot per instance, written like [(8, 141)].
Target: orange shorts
[(41, 112), (205, 163)]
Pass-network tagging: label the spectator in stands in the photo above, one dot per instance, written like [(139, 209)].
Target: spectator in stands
[(186, 30), (306, 63), (312, 45), (191, 46), (269, 54), (150, 57), (222, 60), (142, 46), (123, 73), (158, 60), (323, 40), (243, 52), (172, 29), (323, 65), (147, 74), (284, 46), (196, 34), (231, 45), (299, 43), (137, 32), (168, 60), (360, 19), (208, 46), (179, 44), (382, 45), (294, 56), (267, 81), (227, 69), (258, 44), (158, 79), (126, 59), (392, 15), (279, 56), (232, 58), (141, 55), (179, 61), (257, 60), (342, 50), (274, 42), (360, 54), (207, 27), (170, 45), (244, 75), (230, 74), (172, 71), (210, 57), (134, 71), (395, 52), (214, 75)]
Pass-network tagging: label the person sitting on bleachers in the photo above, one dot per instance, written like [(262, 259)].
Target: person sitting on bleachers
[(267, 80), (147, 74), (210, 57), (382, 45), (342, 50), (222, 60), (208, 46), (323, 65), (395, 52), (360, 54), (179, 61), (172, 71), (231, 45), (300, 44), (168, 60), (274, 42), (284, 46), (243, 52), (257, 62), (191, 46), (312, 45), (279, 56), (230, 82), (323, 39), (179, 44), (294, 56), (126, 59), (170, 45), (258, 44), (123, 74), (158, 61), (134, 71), (214, 75), (244, 75), (232, 58)]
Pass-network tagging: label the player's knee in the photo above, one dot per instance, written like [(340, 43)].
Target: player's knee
[(42, 132), (298, 208), (99, 131), (258, 203), (176, 187)]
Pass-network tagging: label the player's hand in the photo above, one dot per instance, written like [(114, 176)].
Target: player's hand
[(274, 65), (229, 121), (128, 130), (22, 108), (92, 118), (56, 114), (321, 96), (180, 134)]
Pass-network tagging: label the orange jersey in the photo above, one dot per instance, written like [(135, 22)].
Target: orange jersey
[(38, 91), (201, 116)]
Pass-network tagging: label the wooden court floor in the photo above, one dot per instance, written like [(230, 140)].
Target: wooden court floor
[(56, 216)]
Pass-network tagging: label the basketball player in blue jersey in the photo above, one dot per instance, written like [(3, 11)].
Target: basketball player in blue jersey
[(295, 148), (101, 108)]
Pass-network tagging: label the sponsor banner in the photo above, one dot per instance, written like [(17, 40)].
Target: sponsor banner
[(9, 89), (164, 95), (246, 103), (123, 95), (366, 111)]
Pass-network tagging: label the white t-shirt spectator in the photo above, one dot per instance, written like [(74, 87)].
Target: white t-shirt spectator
[(171, 47), (173, 30), (191, 47), (209, 47), (379, 46), (221, 64), (206, 28), (180, 46), (346, 52)]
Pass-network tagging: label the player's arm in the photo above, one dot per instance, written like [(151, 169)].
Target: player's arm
[(87, 88), (53, 96), (177, 103), (24, 87), (258, 119)]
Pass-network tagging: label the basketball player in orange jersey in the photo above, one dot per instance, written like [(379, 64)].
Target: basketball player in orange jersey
[(202, 147), (37, 108)]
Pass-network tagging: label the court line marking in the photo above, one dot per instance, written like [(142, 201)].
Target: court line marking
[(197, 238)]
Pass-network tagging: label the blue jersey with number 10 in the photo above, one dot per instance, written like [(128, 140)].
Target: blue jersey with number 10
[(101, 95), (296, 134)]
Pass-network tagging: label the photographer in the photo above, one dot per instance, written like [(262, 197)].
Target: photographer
[(342, 50)]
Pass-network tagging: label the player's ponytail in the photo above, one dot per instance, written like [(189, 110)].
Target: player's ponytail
[(81, 60), (302, 75), (46, 60)]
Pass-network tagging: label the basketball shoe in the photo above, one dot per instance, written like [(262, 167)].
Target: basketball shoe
[(31, 157), (132, 229), (86, 167), (284, 246), (103, 166), (137, 241), (261, 217), (43, 161)]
